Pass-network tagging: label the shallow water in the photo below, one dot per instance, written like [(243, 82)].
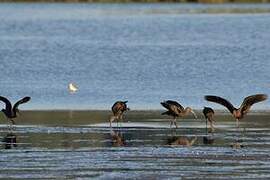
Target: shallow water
[(143, 53), (83, 146)]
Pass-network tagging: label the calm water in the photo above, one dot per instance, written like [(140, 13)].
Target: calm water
[(86, 148), (142, 53)]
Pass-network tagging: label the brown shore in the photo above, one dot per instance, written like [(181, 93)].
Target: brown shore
[(82, 117)]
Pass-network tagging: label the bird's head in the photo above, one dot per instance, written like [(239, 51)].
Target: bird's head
[(189, 110), (125, 106)]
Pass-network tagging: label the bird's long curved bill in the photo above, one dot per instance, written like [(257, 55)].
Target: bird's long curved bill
[(194, 114)]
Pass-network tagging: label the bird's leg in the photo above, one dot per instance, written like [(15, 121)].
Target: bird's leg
[(212, 127), (121, 118), (238, 129), (206, 128), (237, 123), (112, 118), (9, 124), (175, 123), (13, 124), (171, 123)]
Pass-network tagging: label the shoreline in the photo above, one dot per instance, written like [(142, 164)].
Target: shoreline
[(218, 111), (80, 118), (141, 1)]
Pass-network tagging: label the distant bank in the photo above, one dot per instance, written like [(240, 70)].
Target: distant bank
[(145, 1)]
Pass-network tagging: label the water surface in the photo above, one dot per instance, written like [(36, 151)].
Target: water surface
[(143, 53), (57, 146)]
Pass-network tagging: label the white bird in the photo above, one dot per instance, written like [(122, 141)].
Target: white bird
[(72, 88)]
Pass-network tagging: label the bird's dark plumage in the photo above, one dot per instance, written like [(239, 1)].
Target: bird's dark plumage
[(221, 101), (172, 105), (250, 100), (207, 110), (7, 102), (175, 109), (12, 112), (23, 100), (119, 107), (244, 108), (118, 110), (209, 114), (246, 104)]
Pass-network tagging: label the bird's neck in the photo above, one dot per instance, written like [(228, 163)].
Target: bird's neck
[(186, 111)]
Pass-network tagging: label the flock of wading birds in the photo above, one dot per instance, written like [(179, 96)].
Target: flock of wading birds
[(174, 109)]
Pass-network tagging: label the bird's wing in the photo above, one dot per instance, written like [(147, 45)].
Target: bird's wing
[(250, 100), (207, 110), (7, 102), (221, 101), (172, 106), (23, 100), (119, 106)]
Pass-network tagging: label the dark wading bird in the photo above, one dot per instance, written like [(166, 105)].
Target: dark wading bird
[(118, 110), (176, 110), (244, 108), (11, 112), (209, 116)]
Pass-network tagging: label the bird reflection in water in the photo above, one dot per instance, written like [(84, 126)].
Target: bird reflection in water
[(181, 141), (237, 144), (10, 141), (117, 139), (208, 139)]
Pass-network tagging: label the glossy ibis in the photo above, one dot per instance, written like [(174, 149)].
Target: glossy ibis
[(118, 110), (176, 110), (209, 114), (11, 112), (238, 113)]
